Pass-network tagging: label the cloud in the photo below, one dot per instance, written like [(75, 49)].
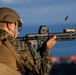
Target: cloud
[(42, 11), (49, 14), (8, 1)]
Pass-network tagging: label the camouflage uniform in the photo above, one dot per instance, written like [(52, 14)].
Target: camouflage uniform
[(37, 63)]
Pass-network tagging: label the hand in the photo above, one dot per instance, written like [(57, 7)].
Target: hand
[(51, 42)]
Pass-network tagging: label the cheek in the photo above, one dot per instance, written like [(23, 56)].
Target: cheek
[(13, 28), (17, 33)]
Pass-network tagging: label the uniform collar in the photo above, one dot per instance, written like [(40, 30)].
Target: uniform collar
[(3, 33)]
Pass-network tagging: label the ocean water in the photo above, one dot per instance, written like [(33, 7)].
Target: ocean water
[(62, 48)]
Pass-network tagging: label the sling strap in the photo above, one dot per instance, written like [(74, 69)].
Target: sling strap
[(6, 70), (15, 54)]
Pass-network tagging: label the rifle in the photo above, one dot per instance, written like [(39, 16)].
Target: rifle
[(44, 34)]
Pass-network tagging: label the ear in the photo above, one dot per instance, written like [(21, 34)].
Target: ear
[(9, 26)]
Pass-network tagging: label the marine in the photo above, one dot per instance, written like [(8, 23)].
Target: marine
[(19, 56)]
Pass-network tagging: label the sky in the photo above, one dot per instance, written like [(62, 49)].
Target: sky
[(43, 11), (46, 12)]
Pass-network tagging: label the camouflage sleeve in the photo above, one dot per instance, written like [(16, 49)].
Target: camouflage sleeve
[(38, 63)]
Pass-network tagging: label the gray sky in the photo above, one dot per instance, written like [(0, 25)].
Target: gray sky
[(43, 11)]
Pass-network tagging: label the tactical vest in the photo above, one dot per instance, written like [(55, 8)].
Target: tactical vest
[(8, 58)]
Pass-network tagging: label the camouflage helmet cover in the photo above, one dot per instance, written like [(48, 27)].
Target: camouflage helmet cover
[(9, 15)]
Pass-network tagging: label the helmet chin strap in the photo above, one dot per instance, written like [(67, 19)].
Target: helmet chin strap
[(16, 24), (14, 35)]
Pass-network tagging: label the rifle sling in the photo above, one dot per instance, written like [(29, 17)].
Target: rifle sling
[(10, 47)]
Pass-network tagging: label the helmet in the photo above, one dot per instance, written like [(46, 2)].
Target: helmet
[(10, 15)]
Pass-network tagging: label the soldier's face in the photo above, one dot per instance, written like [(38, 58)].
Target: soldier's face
[(14, 30)]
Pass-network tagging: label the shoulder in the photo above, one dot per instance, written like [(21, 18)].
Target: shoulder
[(3, 34)]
